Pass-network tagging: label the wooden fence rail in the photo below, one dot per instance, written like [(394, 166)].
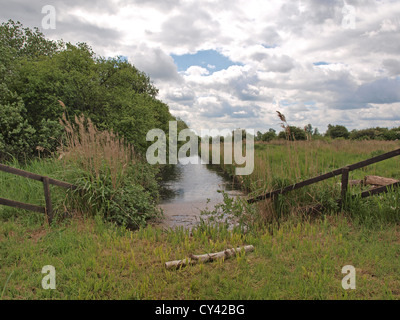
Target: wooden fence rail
[(48, 210), (345, 179)]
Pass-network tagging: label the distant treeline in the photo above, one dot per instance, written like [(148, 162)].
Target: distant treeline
[(333, 132), (37, 73)]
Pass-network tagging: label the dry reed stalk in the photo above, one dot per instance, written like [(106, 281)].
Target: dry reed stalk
[(95, 150)]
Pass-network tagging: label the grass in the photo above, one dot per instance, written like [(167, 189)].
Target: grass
[(295, 257), (281, 163), (96, 260), (294, 161)]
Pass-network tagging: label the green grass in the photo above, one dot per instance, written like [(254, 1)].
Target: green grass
[(292, 162), (295, 257), (281, 163), (95, 260), (30, 191)]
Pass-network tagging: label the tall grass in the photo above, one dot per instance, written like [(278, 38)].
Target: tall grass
[(113, 182), (94, 150), (280, 163)]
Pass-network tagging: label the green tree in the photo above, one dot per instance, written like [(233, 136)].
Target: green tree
[(337, 131), (295, 133), (113, 93), (16, 135), (269, 135)]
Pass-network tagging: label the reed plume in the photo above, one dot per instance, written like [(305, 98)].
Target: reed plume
[(95, 150)]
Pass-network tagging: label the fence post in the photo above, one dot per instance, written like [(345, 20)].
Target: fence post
[(345, 183), (49, 207)]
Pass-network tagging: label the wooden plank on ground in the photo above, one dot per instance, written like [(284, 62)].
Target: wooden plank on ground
[(207, 257), (378, 181)]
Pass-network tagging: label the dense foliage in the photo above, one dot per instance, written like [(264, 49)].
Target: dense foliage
[(107, 106), (333, 132), (36, 73)]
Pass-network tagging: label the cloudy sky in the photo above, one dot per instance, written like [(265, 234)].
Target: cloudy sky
[(231, 64)]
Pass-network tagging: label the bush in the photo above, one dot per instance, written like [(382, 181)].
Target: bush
[(130, 204), (295, 133), (112, 181), (337, 131), (16, 135)]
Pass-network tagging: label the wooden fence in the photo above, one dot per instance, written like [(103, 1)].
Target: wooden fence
[(345, 180), (48, 210)]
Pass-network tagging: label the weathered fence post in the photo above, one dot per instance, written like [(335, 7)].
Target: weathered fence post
[(345, 184), (47, 196)]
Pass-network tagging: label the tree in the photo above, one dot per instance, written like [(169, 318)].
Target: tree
[(269, 135), (308, 129), (16, 135), (337, 131), (113, 93), (316, 133), (295, 134)]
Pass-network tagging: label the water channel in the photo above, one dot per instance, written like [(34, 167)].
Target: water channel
[(186, 190)]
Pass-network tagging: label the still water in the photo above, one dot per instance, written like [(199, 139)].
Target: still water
[(186, 188)]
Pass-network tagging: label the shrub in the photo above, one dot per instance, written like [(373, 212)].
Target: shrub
[(112, 180), (337, 131)]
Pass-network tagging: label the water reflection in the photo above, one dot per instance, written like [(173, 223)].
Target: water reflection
[(186, 190)]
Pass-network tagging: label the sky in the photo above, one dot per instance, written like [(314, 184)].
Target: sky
[(232, 64)]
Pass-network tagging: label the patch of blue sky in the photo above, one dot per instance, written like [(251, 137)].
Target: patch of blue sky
[(321, 63), (268, 46), (211, 60)]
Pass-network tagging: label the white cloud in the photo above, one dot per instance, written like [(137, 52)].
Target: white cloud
[(274, 43)]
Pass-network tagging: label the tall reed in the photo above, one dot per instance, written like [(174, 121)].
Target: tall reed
[(95, 151)]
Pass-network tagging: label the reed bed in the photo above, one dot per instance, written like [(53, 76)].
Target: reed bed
[(94, 150)]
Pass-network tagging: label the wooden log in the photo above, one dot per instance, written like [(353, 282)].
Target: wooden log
[(378, 181), (226, 254)]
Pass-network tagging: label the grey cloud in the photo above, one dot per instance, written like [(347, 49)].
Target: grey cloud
[(81, 31), (280, 64), (392, 117), (190, 28), (223, 108), (380, 91), (273, 63), (68, 27), (156, 63), (164, 5), (393, 66), (30, 12), (182, 96)]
